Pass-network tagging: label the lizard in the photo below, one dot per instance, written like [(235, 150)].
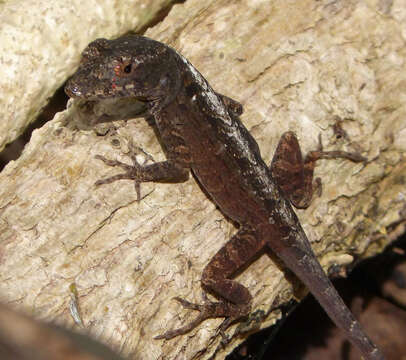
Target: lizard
[(201, 132)]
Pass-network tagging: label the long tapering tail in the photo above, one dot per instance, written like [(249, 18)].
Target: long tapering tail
[(300, 258)]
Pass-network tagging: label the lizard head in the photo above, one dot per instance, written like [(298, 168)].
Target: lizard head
[(130, 66)]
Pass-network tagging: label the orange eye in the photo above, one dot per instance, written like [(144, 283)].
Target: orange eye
[(124, 68)]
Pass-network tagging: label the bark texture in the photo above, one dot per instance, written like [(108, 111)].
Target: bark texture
[(335, 68)]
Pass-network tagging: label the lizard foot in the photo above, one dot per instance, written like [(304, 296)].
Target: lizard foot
[(132, 172), (231, 312), (319, 153)]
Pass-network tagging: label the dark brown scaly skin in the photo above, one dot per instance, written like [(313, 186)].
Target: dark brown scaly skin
[(201, 131)]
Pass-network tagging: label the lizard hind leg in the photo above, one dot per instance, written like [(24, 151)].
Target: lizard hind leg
[(288, 170), (295, 175), (235, 299)]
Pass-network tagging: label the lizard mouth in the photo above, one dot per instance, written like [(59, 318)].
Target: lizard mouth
[(81, 89)]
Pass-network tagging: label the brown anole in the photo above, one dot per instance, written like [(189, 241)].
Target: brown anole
[(201, 132)]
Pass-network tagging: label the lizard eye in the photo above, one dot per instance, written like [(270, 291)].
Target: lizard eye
[(127, 69), (123, 69)]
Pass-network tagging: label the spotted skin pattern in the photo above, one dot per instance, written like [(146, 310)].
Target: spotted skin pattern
[(201, 131)]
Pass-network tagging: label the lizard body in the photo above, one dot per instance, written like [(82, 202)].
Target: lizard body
[(201, 131)]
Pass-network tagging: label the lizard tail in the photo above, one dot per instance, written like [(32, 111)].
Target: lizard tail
[(303, 262)]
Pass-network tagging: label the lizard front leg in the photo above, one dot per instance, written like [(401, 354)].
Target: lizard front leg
[(164, 171), (233, 106), (235, 299)]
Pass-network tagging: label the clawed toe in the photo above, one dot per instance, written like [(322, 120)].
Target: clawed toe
[(132, 172), (207, 310), (188, 305)]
